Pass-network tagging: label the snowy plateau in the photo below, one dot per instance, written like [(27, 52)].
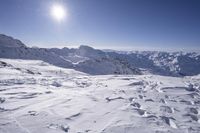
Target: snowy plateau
[(85, 90)]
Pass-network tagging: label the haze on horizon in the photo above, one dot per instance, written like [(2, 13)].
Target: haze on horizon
[(142, 24)]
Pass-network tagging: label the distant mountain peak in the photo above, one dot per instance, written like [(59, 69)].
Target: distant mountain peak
[(95, 61), (85, 47), (7, 41)]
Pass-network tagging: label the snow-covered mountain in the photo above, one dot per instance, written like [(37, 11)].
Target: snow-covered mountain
[(96, 62), (164, 63), (7, 41), (42, 91), (37, 97)]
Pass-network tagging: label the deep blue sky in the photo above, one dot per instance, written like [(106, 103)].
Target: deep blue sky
[(154, 24)]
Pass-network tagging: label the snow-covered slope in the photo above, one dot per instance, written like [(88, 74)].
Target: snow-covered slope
[(38, 97), (78, 59), (7, 41), (98, 62)]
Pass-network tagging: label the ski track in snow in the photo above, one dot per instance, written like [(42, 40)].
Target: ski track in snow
[(38, 97)]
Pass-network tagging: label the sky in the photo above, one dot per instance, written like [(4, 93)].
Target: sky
[(107, 24)]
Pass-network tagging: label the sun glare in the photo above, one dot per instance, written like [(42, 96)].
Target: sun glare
[(58, 12)]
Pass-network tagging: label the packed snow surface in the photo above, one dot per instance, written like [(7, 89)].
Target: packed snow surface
[(36, 97)]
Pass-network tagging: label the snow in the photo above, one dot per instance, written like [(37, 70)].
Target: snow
[(86, 90), (38, 97), (98, 62), (6, 41)]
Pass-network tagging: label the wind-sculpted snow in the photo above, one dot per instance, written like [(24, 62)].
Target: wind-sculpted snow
[(98, 62), (38, 97)]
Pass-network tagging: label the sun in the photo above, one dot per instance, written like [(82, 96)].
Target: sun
[(58, 12)]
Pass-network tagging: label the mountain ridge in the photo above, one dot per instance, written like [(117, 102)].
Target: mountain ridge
[(99, 62)]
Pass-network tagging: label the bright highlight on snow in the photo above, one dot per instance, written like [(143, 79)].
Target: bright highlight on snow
[(112, 92), (58, 12)]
